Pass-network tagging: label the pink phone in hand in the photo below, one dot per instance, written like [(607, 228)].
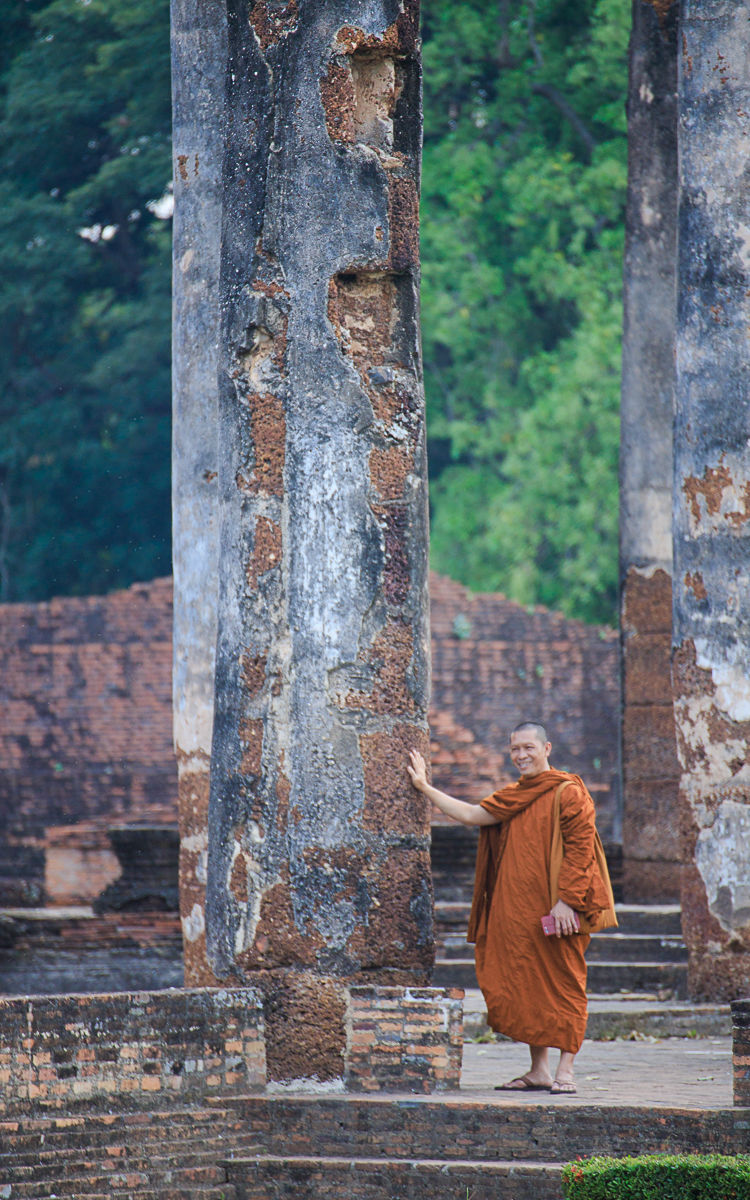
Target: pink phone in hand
[(548, 924)]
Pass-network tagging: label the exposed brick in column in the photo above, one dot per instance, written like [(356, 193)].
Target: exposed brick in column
[(650, 771), (711, 658), (652, 867), (318, 848), (198, 37), (741, 1052)]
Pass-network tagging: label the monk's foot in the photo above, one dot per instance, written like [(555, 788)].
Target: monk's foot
[(526, 1083), (564, 1086)]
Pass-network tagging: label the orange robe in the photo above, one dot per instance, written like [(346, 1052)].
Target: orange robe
[(534, 986)]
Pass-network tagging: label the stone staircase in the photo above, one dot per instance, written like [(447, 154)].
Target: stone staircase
[(447, 1148), (342, 1147), (644, 954), (174, 1155)]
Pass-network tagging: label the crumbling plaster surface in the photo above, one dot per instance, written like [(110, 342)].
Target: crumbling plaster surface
[(711, 658), (322, 660), (722, 854), (198, 31), (198, 36)]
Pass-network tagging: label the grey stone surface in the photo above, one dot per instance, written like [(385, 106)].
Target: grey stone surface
[(198, 63), (322, 634), (649, 290), (198, 44), (649, 799), (676, 1073), (711, 634)]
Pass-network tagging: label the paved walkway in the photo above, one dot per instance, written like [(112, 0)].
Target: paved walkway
[(669, 1073)]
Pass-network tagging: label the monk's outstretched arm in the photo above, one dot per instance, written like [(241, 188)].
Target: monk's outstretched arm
[(467, 814)]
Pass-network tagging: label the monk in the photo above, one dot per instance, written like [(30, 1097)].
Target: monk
[(534, 985)]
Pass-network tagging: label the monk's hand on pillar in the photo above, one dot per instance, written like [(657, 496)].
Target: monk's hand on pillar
[(417, 769), (565, 918)]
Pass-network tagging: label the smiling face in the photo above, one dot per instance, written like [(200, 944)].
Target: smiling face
[(528, 753)]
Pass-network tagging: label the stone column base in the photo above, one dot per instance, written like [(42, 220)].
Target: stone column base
[(326, 1035)]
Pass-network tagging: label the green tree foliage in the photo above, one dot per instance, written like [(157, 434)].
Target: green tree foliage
[(522, 238), (523, 192), (84, 355)]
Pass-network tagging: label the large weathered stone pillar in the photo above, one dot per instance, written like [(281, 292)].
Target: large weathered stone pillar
[(650, 771), (198, 67), (711, 662), (318, 848)]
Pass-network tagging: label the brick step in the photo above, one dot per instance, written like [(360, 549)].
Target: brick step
[(649, 1017), (352, 1126), (451, 915), (48, 1163), (658, 920), (636, 947), (88, 1128), (28, 1140), (48, 1120), (609, 947), (121, 1180), (455, 890), (120, 969), (19, 1138), (166, 1153), (299, 1178), (638, 977), (603, 977), (221, 1191)]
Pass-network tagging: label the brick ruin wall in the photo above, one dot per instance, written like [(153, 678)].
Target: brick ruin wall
[(183, 1046), (86, 736), (495, 663)]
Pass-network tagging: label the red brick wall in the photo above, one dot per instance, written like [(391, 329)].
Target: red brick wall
[(495, 663), (404, 1039), (145, 1049), (137, 1047), (85, 721), (85, 703)]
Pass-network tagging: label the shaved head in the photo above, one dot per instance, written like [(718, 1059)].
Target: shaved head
[(538, 730)]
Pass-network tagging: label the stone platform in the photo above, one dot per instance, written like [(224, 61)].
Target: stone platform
[(651, 1096), (656, 1097)]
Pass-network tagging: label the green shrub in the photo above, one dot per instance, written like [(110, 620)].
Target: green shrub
[(659, 1177)]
